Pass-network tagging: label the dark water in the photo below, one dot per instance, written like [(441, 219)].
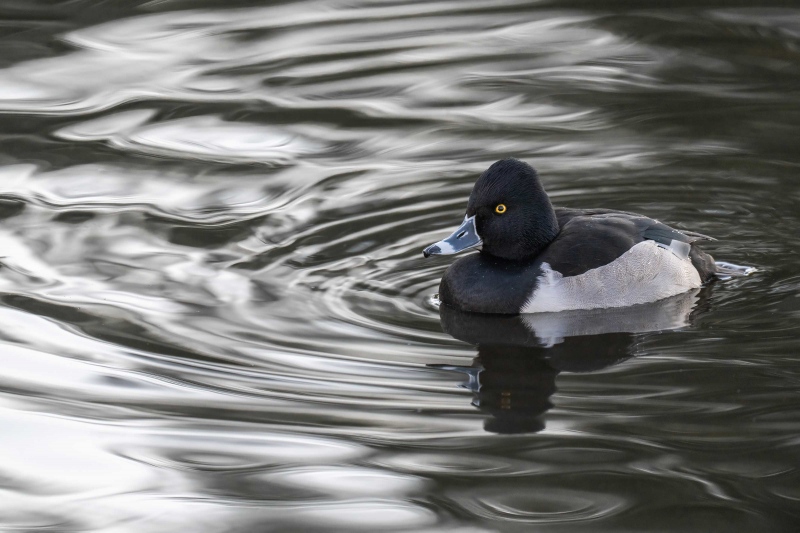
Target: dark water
[(216, 318)]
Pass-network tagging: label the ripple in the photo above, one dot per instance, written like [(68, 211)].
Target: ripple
[(363, 516), (556, 506), (195, 449), (459, 464), (206, 137), (107, 126), (348, 482), (216, 316)]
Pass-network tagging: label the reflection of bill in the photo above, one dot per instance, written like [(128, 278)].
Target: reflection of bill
[(519, 356)]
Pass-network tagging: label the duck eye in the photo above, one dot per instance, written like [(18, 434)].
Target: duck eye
[(500, 209)]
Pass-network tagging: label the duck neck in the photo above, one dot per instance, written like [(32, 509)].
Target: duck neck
[(540, 233)]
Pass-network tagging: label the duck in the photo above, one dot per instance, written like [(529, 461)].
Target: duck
[(536, 258)]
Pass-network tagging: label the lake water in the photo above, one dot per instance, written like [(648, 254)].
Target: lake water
[(215, 316)]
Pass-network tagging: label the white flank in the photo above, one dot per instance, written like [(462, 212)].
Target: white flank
[(669, 313), (645, 273)]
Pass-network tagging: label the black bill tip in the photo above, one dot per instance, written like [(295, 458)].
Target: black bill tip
[(430, 250)]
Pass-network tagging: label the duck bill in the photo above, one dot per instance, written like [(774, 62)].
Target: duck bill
[(464, 238)]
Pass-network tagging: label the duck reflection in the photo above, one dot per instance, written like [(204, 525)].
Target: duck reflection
[(513, 376)]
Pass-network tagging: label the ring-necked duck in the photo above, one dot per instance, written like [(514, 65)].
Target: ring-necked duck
[(536, 258)]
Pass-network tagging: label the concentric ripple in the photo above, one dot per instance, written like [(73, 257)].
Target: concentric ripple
[(216, 315)]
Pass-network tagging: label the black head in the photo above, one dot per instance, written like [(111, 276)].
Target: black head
[(513, 215)]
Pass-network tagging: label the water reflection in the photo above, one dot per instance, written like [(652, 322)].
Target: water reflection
[(213, 313), (519, 356)]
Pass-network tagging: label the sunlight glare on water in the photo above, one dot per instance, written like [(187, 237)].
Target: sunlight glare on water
[(215, 312)]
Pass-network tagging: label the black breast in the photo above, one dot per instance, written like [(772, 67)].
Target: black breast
[(484, 284)]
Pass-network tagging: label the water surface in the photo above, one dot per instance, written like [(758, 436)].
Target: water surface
[(216, 317)]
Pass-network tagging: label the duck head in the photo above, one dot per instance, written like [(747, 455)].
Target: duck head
[(508, 215)]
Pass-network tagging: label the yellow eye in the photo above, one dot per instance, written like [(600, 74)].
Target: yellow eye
[(500, 209)]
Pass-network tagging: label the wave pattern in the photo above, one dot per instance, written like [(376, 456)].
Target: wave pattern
[(216, 316)]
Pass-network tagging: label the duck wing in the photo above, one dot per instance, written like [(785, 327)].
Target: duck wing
[(592, 238)]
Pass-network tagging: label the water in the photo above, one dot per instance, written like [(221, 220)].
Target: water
[(216, 317)]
